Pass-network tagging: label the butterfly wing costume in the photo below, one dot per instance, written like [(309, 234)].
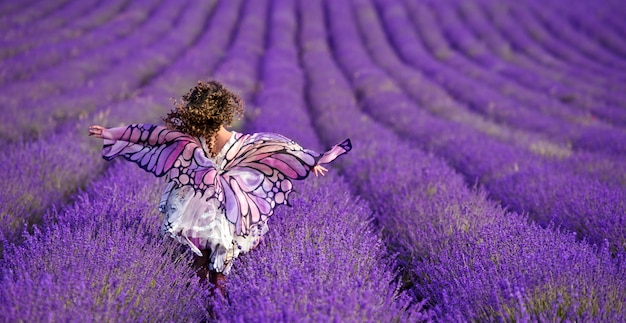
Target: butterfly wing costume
[(220, 203)]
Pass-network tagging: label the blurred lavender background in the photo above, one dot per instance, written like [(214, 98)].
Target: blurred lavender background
[(487, 180)]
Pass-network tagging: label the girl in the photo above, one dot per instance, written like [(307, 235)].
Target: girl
[(223, 185)]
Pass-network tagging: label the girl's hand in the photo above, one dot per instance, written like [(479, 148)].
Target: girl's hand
[(319, 170), (96, 131)]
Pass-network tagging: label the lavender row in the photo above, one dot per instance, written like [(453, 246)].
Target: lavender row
[(78, 69), (489, 102), (606, 34), (528, 98), (35, 31), (76, 75), (605, 30), (115, 83), (336, 33), (49, 15), (53, 50), (533, 92), (589, 50), (532, 53), (513, 45), (481, 98), (320, 262), (8, 9), (612, 171), (579, 92), (38, 174), (200, 61), (547, 189), (556, 46), (440, 103), (430, 96), (433, 97), (238, 70), (102, 259), (500, 107), (435, 222), (51, 169), (31, 12), (452, 44)]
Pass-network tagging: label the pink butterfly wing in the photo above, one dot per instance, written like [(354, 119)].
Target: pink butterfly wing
[(272, 160), (161, 151)]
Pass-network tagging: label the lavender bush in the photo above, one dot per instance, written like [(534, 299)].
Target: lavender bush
[(42, 173), (102, 259), (320, 262), (510, 175), (423, 215)]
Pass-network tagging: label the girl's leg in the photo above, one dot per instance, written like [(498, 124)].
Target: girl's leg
[(219, 281), (201, 265)]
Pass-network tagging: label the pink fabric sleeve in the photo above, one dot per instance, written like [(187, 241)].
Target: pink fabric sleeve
[(154, 148), (336, 151)]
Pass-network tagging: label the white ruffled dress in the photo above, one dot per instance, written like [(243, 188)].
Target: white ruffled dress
[(202, 224)]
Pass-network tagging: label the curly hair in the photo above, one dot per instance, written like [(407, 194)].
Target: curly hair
[(203, 110)]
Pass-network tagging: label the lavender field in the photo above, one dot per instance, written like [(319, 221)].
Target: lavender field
[(487, 180)]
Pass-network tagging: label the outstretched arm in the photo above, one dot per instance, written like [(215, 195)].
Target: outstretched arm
[(144, 134), (336, 151), (154, 148)]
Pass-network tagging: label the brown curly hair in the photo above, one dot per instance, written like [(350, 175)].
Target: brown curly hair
[(203, 110)]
